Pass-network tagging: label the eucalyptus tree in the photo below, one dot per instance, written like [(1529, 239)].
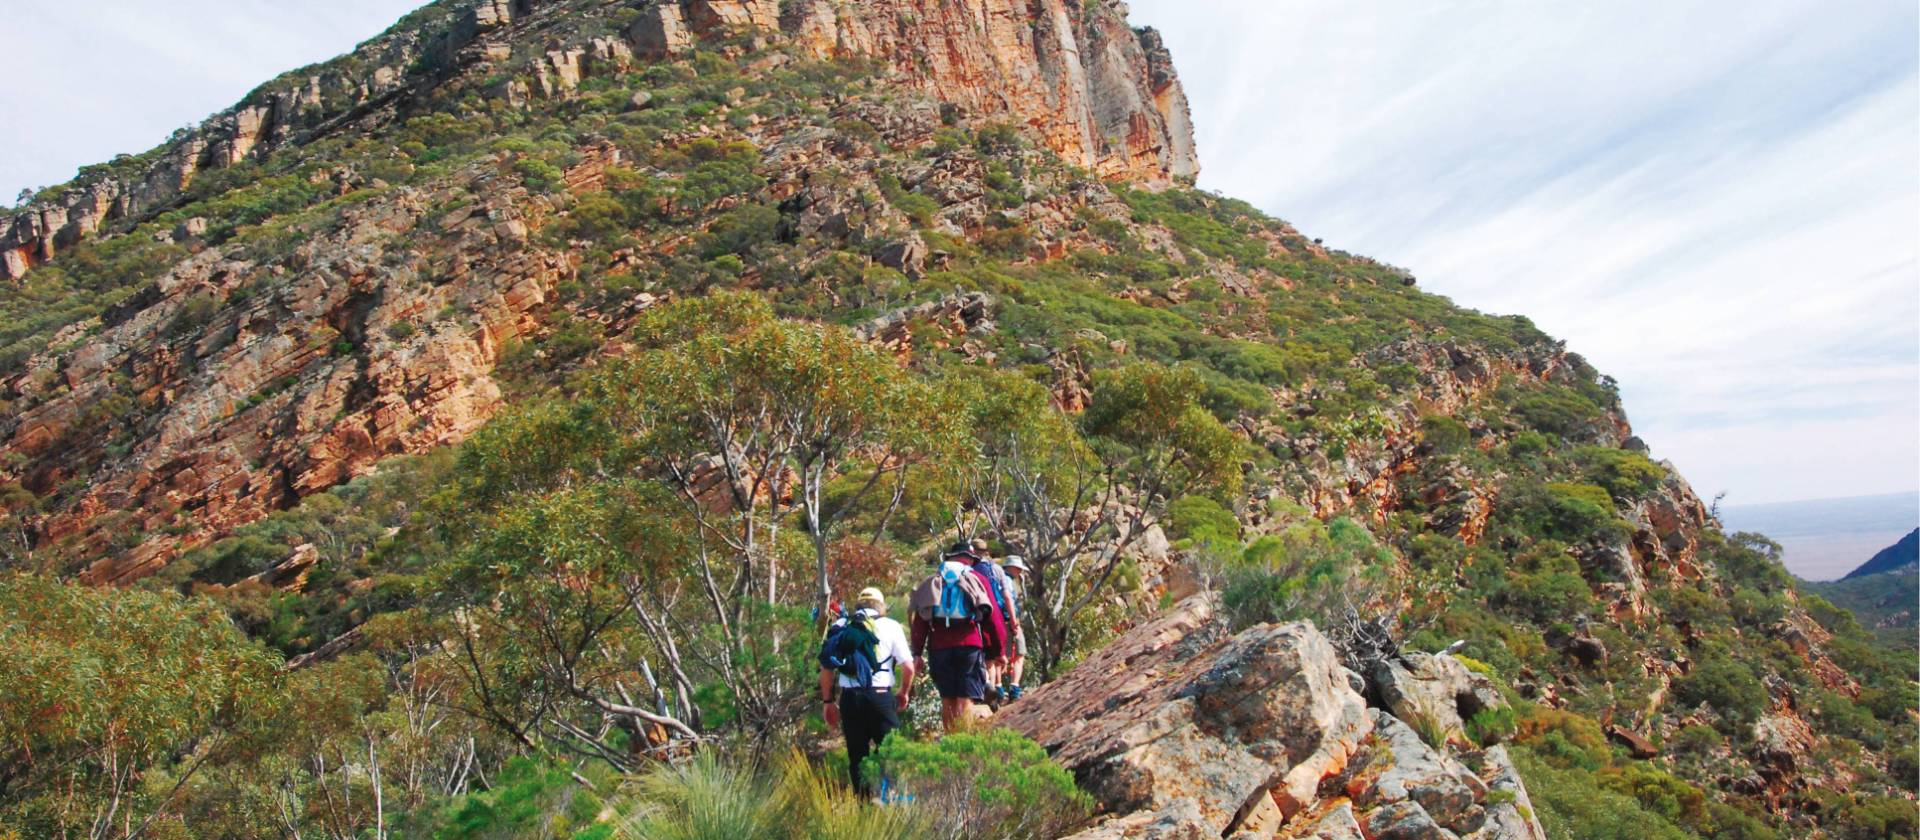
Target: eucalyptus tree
[(1074, 495)]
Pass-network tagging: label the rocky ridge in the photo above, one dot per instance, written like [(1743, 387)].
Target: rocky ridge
[(1182, 730), (1097, 92)]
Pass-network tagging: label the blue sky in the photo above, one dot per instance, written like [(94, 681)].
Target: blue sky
[(1718, 203)]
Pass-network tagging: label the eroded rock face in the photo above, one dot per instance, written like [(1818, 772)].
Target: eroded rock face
[(1098, 92), (1085, 83), (1437, 689), (1181, 731), (261, 384)]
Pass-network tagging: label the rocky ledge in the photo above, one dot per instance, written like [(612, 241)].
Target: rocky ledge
[(1182, 730)]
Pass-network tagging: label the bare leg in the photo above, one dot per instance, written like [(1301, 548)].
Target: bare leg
[(955, 713)]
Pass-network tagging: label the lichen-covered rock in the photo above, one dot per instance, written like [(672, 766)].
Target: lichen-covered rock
[(1408, 789), (1437, 689), (1175, 729), (1238, 726), (1510, 812), (1333, 820), (1179, 820)]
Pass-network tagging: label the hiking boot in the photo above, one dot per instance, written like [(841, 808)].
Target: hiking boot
[(1013, 692)]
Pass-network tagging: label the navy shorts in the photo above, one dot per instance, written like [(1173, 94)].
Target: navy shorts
[(959, 673)]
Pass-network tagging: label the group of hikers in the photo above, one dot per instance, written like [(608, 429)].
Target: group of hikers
[(966, 634)]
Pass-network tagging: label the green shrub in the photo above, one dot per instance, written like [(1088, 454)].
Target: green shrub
[(705, 799), (1625, 475), (1556, 410), (1697, 740), (1492, 726), (1726, 685), (1876, 818), (1203, 521), (528, 798), (986, 784), (1571, 805), (1445, 434), (1310, 570)]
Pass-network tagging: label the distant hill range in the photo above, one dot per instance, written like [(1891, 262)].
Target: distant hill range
[(1901, 555), (1883, 592), (1824, 539)]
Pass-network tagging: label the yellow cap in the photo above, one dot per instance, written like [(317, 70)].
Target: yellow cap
[(871, 597)]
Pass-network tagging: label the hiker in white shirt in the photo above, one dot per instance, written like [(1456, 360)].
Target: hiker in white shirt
[(866, 678)]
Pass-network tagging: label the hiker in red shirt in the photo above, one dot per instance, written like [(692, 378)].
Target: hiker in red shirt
[(957, 631)]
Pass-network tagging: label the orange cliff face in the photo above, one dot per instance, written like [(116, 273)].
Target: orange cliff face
[(1099, 93)]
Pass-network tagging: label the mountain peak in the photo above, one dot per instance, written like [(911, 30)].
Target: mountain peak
[(1090, 88)]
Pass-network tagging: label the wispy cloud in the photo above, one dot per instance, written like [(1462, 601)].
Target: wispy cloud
[(1718, 203)]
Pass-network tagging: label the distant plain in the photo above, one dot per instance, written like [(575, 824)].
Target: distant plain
[(1824, 539)]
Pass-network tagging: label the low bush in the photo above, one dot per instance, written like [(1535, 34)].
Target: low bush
[(987, 784)]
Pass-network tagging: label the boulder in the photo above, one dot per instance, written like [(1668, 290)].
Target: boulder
[(908, 254), (1410, 790), (1245, 728), (1435, 688), (1334, 820), (1510, 812), (661, 32)]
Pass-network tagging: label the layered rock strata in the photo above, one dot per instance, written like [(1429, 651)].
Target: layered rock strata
[(1181, 730)]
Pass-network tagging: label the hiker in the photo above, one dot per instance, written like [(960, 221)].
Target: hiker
[(997, 586), (1015, 568), (956, 631), (866, 678)]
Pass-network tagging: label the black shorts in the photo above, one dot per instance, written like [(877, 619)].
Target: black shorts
[(959, 673)]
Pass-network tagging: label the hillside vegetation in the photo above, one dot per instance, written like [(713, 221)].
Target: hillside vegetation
[(475, 455)]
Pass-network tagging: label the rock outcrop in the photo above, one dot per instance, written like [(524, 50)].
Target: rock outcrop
[(1098, 92), (1088, 86), (1181, 730), (261, 384), (257, 383)]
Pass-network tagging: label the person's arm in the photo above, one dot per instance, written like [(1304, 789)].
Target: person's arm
[(921, 632), (829, 689), (903, 684), (903, 669)]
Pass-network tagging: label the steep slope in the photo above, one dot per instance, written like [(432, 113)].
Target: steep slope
[(1114, 105), (217, 355)]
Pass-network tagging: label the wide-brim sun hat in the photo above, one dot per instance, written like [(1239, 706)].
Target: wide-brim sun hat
[(1016, 562), (871, 597)]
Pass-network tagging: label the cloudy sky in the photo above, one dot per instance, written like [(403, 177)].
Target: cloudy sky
[(1717, 202)]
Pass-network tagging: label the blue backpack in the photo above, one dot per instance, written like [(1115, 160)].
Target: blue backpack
[(954, 605), (852, 648), (996, 580)]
